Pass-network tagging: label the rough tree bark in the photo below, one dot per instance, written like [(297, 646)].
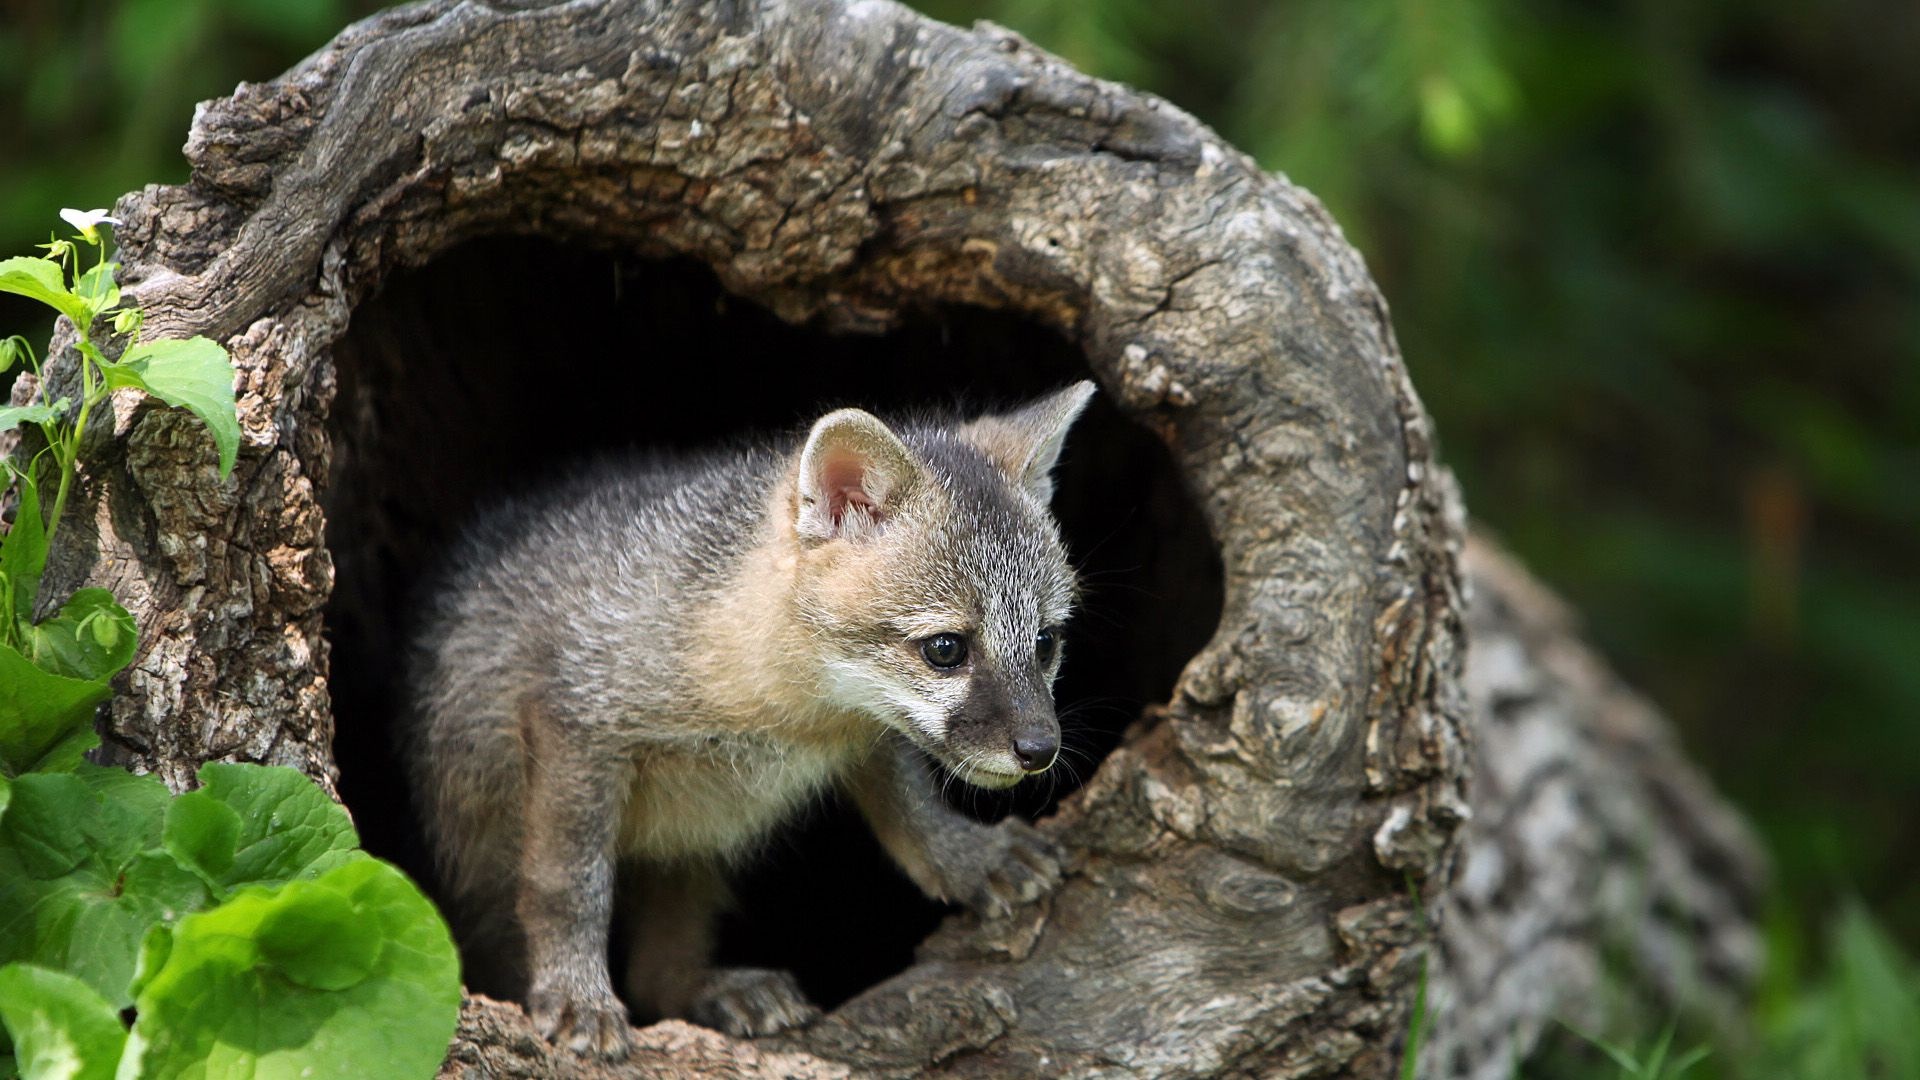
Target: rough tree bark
[(1248, 869), (1599, 872)]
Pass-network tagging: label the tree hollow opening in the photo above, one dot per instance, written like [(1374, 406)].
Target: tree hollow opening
[(504, 361)]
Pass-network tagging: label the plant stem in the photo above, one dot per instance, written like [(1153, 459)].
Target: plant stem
[(65, 439)]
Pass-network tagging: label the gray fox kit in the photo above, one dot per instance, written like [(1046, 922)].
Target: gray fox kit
[(636, 677)]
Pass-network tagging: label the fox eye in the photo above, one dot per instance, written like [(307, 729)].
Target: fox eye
[(1046, 645), (945, 651)]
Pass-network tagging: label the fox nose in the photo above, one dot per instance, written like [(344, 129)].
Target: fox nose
[(1036, 752)]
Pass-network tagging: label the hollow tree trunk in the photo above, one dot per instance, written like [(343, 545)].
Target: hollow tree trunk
[(1248, 869)]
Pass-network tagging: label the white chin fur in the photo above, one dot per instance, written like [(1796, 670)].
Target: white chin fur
[(992, 781), (988, 773)]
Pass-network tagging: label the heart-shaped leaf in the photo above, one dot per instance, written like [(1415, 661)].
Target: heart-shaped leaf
[(195, 374), (42, 280)]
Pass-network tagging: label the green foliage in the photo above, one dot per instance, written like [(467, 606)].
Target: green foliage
[(46, 708), (45, 719), (90, 638), (12, 416), (242, 828), (239, 921), (1657, 1062), (23, 554), (42, 280), (1859, 1018), (1856, 1019), (60, 1026), (81, 876), (194, 374), (54, 671), (339, 975), (95, 98)]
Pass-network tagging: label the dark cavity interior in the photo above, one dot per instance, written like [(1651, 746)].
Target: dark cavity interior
[(504, 361)]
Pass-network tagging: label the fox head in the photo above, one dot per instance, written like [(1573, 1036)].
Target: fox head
[(932, 581)]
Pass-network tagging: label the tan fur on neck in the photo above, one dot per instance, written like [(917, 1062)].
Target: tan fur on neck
[(766, 681)]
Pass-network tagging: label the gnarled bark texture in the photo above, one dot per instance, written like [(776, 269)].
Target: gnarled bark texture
[(1599, 872), (1248, 867)]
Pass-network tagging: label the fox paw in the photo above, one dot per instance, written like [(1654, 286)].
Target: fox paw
[(585, 1025), (1027, 866), (750, 1002)]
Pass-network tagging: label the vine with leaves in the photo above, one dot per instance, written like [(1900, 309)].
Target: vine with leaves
[(239, 925)]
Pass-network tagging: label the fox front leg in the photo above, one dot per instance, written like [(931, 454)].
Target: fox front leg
[(989, 868), (564, 895)]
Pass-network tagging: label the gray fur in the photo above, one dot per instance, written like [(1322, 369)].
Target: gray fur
[(643, 671)]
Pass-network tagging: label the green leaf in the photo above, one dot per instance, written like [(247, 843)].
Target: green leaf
[(81, 879), (46, 720), (44, 824), (97, 289), (285, 823), (313, 939), (41, 279), (12, 416), (1877, 996), (326, 863), (195, 374), (23, 555), (350, 974), (1689, 1059), (91, 638), (60, 1026), (138, 802), (154, 950), (48, 693), (201, 834)]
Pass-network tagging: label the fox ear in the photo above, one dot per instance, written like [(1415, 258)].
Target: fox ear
[(1026, 442), (854, 472)]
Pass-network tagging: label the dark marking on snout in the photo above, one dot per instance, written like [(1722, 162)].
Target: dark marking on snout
[(1007, 714)]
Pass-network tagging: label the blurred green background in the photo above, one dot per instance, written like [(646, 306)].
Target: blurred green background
[(1655, 265)]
